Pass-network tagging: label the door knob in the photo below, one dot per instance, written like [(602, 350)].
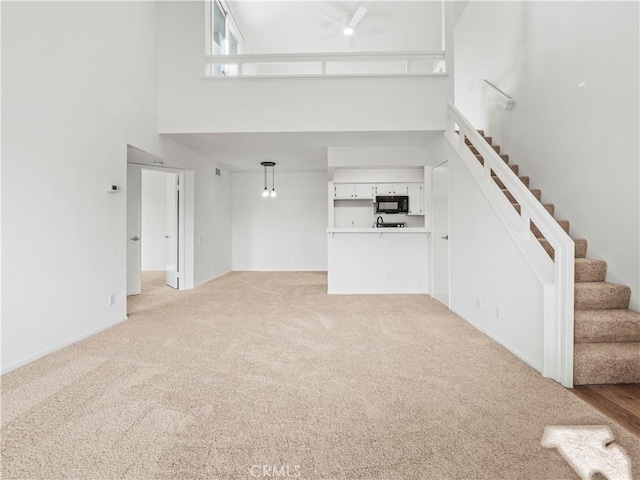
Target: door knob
[(166, 236), (446, 237), (135, 239)]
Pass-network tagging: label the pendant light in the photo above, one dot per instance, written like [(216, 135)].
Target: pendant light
[(265, 192), (273, 180)]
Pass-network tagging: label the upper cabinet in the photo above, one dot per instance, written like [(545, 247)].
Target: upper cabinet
[(416, 198), (392, 189), (365, 190), (354, 191), (368, 191)]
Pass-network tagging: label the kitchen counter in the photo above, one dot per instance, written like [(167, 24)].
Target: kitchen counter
[(378, 260)]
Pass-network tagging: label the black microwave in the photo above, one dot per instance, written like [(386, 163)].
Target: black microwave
[(392, 204)]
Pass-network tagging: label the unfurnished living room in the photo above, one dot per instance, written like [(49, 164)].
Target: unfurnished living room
[(320, 240)]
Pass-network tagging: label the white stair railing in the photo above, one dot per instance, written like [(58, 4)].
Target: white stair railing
[(558, 278)]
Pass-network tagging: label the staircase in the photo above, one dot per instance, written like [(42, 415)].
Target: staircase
[(606, 332)]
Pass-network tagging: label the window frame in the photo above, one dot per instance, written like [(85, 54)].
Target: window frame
[(231, 30)]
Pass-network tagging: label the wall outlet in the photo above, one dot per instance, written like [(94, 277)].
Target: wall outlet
[(497, 312), (112, 299), (478, 303)]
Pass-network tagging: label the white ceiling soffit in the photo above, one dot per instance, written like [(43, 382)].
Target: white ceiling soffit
[(293, 152), (136, 155)]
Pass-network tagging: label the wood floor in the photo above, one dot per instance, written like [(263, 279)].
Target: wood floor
[(619, 402)]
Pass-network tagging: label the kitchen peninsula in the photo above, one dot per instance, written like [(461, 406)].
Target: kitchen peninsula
[(378, 231)]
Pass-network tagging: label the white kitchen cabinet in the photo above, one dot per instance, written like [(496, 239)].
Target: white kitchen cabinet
[(401, 189), (416, 198), (392, 189), (353, 191), (365, 191), (343, 191)]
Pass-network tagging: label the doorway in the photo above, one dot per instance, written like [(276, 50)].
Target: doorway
[(159, 225), (160, 215), (440, 234)]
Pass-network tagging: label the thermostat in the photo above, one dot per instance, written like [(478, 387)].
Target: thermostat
[(113, 188)]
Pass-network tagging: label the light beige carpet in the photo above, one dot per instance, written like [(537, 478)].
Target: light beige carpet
[(265, 369)]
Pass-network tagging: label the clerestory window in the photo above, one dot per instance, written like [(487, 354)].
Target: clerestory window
[(225, 36)]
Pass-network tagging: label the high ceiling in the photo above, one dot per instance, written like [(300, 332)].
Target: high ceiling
[(306, 26), (293, 152)]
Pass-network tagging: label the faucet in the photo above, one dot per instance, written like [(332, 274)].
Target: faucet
[(379, 221)]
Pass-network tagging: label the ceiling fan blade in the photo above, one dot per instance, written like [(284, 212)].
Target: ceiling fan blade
[(357, 17), (333, 20)]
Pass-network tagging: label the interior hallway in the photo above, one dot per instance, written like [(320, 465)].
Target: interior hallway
[(266, 369)]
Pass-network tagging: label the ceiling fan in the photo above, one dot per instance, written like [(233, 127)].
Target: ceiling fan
[(350, 22)]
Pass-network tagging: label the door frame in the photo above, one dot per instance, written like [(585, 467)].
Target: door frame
[(434, 238), (186, 227), (134, 227)]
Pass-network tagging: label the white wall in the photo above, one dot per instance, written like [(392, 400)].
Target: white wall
[(154, 220), (488, 271), (189, 103), (378, 156), (78, 85), (283, 233), (213, 226), (572, 68)]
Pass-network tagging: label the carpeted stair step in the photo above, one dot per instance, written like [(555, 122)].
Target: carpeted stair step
[(524, 180), (536, 193), (601, 296), (590, 270), (549, 207), (595, 363), (475, 151), (537, 233), (505, 159), (607, 326), (581, 248)]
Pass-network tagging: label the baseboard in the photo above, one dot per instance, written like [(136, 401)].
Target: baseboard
[(514, 351), (215, 277), (49, 351)]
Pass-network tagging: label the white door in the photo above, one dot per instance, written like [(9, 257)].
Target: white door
[(134, 228), (173, 246), (441, 233)]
